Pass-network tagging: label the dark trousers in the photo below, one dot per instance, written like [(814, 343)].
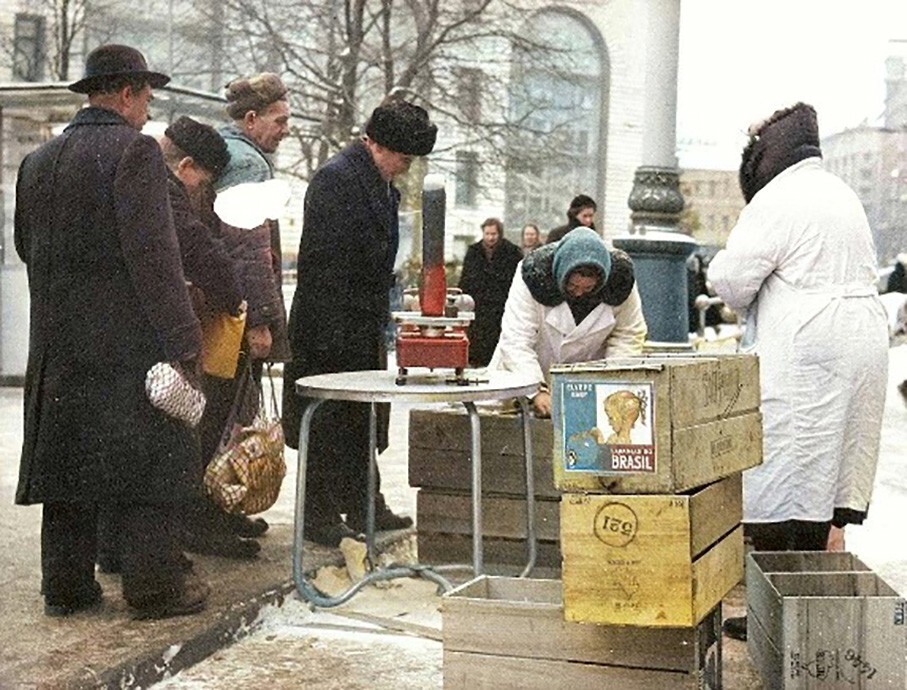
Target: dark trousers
[(338, 460), (790, 535), (153, 566)]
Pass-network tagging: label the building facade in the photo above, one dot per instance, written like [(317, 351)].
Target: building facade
[(712, 203)]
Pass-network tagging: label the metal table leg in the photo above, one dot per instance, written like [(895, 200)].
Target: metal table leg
[(476, 450), (530, 486), (372, 482), (303, 587), (478, 565)]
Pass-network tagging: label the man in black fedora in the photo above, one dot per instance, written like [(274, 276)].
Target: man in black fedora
[(108, 301), (341, 309)]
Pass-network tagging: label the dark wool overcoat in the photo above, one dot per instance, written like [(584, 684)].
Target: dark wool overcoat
[(206, 263), (341, 304), (108, 300), (488, 281)]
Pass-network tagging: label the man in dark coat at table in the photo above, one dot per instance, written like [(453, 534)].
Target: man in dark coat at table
[(341, 309), (108, 301), (488, 270)]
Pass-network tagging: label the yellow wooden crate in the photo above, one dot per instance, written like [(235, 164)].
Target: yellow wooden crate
[(659, 425), (651, 560)]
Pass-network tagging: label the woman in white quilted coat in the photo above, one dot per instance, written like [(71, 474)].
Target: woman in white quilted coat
[(801, 264), (571, 301)]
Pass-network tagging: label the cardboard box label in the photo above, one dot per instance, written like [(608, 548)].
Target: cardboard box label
[(608, 427)]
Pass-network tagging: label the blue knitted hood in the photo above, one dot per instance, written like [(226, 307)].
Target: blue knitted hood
[(540, 274)]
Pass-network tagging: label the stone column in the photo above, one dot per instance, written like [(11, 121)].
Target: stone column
[(658, 250)]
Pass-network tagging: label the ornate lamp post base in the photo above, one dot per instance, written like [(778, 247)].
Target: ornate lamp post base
[(659, 255), (655, 199)]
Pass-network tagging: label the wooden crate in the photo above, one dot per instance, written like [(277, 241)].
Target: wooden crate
[(657, 561), (439, 463), (439, 452), (699, 421), (824, 620), (511, 633)]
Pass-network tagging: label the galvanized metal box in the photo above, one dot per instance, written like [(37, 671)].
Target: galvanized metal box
[(824, 620), (651, 560), (658, 425), (510, 633)]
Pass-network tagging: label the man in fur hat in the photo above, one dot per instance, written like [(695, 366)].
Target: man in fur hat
[(801, 263), (260, 112), (341, 309)]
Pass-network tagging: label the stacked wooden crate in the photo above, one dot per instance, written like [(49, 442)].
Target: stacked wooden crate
[(649, 453), (439, 464), (649, 531)]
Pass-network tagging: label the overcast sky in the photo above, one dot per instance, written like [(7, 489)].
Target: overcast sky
[(742, 59)]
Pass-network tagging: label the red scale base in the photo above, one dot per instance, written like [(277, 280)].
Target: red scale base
[(450, 351)]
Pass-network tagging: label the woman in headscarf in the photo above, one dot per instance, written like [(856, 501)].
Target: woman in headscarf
[(571, 301)]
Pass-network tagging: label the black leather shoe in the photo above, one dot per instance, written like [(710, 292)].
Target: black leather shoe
[(385, 520), (219, 544), (735, 628), (244, 526), (192, 598), (330, 535), (57, 607)]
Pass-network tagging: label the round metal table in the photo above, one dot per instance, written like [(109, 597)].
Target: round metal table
[(380, 387)]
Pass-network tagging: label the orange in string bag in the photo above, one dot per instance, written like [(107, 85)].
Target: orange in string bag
[(246, 473)]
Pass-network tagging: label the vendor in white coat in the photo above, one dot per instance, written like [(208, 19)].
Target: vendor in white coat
[(801, 263), (571, 301)]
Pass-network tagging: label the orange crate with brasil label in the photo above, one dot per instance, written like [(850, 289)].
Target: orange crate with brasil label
[(657, 425)]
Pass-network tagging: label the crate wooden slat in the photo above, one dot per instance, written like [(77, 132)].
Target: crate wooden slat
[(500, 554), (812, 623), (510, 632), (705, 422), (502, 516), (651, 560)]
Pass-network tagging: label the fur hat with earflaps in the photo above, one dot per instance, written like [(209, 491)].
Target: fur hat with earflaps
[(402, 127), (787, 137), (254, 94)]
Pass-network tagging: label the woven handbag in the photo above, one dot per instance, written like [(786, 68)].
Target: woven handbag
[(172, 393), (246, 473)]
